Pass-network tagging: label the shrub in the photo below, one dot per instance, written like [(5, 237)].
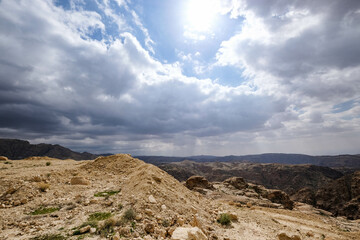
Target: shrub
[(48, 163), (107, 227), (224, 219), (98, 216), (129, 214), (43, 186), (106, 193), (44, 210)]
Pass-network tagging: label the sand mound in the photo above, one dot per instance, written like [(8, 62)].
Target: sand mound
[(149, 187)]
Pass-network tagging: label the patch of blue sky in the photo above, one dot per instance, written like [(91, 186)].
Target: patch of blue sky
[(344, 106), (227, 76)]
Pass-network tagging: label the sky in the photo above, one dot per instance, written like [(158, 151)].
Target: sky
[(182, 78)]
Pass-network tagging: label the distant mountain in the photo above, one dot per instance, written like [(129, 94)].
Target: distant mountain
[(19, 149), (340, 161)]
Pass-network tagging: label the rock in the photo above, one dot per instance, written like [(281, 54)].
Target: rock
[(283, 236), (237, 182), (85, 229), (149, 212), (198, 182), (149, 227), (79, 181), (16, 203), (116, 236), (3, 158), (183, 233), (163, 207), (278, 196), (125, 231), (152, 199), (138, 217), (160, 232), (92, 230)]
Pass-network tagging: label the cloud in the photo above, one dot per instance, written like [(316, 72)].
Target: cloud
[(59, 84)]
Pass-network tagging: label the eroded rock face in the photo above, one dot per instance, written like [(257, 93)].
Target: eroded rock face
[(277, 196), (304, 195), (342, 197), (198, 182)]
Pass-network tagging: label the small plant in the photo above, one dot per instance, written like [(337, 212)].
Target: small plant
[(106, 193), (7, 162), (48, 163), (224, 219), (120, 206), (49, 237), (98, 216), (129, 214), (92, 224), (165, 223), (107, 228), (44, 210), (43, 187)]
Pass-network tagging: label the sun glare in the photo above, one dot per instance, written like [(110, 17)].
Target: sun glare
[(201, 14)]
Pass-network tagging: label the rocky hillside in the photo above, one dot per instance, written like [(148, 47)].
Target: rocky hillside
[(341, 196), (119, 197), (289, 178), (19, 149)]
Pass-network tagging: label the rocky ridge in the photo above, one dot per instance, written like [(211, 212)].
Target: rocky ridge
[(20, 149)]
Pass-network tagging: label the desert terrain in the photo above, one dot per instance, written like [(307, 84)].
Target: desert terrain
[(120, 197)]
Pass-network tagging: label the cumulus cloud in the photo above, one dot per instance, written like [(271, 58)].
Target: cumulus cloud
[(60, 85)]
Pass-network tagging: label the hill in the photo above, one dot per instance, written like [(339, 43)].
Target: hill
[(19, 149)]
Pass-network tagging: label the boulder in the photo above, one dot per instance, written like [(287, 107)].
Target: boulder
[(3, 158), (278, 196), (79, 181), (198, 182), (187, 233), (237, 182)]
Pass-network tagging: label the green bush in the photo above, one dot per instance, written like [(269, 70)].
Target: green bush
[(98, 216), (106, 193), (48, 163), (224, 219), (129, 214), (44, 210)]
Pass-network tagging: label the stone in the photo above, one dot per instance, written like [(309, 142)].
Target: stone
[(138, 217), (85, 229), (149, 212), (149, 227), (152, 199), (186, 233), (92, 230), (163, 207), (116, 236), (79, 181), (3, 158), (125, 231), (236, 182), (198, 182), (283, 236)]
